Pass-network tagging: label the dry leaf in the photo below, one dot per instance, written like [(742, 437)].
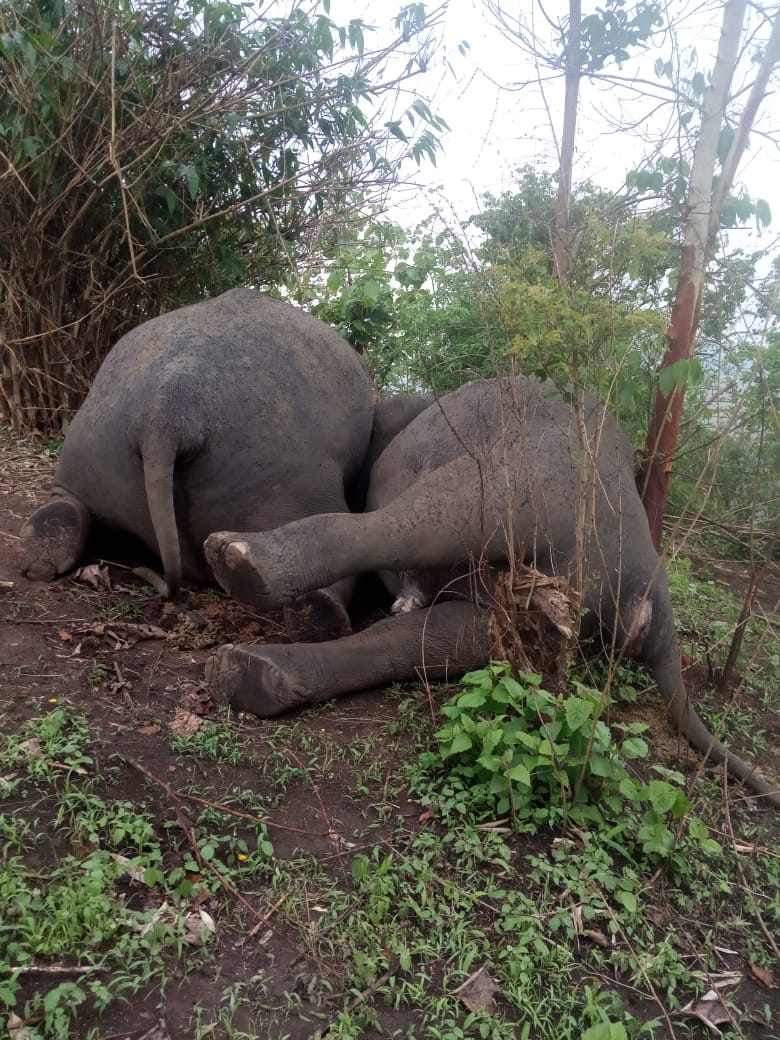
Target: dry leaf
[(150, 731), (710, 1011), (199, 927), (94, 630), (95, 575), (575, 912), (64, 636), (6, 585), (144, 631), (476, 993), (159, 913), (31, 748), (597, 937), (17, 1030), (134, 873), (185, 723), (425, 816), (766, 978)]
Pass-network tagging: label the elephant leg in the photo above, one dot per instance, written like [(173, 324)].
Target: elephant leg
[(321, 614), (442, 642), (442, 519), (54, 538)]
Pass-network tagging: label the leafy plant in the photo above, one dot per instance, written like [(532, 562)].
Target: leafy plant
[(512, 747), (214, 740), (528, 752), (60, 736), (74, 912)]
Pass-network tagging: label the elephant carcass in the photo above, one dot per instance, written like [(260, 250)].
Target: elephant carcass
[(241, 411), (498, 470)]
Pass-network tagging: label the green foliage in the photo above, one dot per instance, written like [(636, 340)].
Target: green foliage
[(161, 154), (529, 752), (215, 740), (608, 34), (707, 616), (730, 455), (512, 747), (76, 913), (59, 737), (413, 302), (114, 905)]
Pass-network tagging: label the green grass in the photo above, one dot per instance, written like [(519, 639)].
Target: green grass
[(218, 741)]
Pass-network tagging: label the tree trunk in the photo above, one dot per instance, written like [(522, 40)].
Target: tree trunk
[(563, 245), (704, 210)]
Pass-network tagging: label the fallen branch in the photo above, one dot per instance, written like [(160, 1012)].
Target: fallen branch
[(188, 827), (247, 816), (361, 998), (268, 915)]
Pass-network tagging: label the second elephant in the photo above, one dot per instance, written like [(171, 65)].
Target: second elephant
[(501, 469)]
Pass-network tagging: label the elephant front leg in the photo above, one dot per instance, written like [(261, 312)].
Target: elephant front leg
[(442, 642)]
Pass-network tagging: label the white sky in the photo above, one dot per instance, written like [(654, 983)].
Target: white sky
[(494, 129)]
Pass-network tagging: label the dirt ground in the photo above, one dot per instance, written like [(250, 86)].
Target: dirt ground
[(129, 672)]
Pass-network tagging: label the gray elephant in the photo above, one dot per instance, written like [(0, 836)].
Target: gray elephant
[(242, 411), (498, 469)]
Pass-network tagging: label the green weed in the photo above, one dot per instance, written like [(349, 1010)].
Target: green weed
[(46, 747), (218, 741), (119, 612)]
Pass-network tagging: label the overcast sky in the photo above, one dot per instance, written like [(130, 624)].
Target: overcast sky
[(495, 126)]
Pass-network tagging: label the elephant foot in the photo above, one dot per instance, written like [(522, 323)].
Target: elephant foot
[(255, 679), (237, 562), (315, 617), (54, 538)]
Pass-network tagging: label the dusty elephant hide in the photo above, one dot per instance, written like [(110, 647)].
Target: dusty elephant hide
[(241, 411), (500, 467)]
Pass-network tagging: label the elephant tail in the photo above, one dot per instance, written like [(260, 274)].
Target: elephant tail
[(159, 461)]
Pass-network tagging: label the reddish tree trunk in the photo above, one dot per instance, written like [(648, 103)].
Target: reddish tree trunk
[(664, 431), (701, 224)]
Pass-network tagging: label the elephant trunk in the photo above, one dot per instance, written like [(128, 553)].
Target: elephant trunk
[(663, 659)]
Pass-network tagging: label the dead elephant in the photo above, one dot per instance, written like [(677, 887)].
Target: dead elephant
[(242, 411), (495, 469)]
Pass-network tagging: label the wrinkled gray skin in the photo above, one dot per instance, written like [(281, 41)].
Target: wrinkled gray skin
[(241, 411), (493, 468), (391, 415)]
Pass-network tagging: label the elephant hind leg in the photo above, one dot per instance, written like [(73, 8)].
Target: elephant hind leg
[(441, 642), (54, 538), (228, 556)]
